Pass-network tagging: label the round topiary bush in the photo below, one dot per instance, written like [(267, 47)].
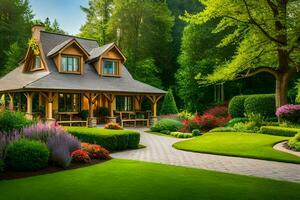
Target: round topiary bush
[(263, 104), (196, 132), (169, 104), (236, 106), (27, 155)]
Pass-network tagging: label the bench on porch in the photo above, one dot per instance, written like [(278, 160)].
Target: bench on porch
[(70, 118), (134, 118)]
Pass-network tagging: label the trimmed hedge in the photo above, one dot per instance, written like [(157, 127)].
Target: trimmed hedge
[(280, 131), (236, 106), (181, 135), (27, 155), (263, 104), (109, 139), (166, 124), (223, 129)]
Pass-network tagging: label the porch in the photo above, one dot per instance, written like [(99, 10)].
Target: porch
[(84, 108)]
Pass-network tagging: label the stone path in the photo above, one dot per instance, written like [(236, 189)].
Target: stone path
[(159, 149)]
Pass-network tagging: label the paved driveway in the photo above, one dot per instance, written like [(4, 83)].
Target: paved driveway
[(159, 149)]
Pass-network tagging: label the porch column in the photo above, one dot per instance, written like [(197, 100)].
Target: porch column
[(138, 102), (92, 98), (111, 100), (29, 96), (154, 99), (11, 101), (49, 104), (2, 102)]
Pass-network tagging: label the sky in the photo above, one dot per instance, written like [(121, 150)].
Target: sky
[(66, 12)]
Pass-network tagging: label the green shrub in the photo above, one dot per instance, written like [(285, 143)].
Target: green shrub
[(2, 165), (223, 129), (258, 119), (236, 106), (13, 120), (169, 104), (166, 124), (263, 104), (294, 143), (27, 155), (181, 135), (167, 132), (196, 132), (107, 138), (84, 114), (281, 131), (233, 121), (248, 127)]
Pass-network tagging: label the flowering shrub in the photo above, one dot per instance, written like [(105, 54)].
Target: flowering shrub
[(95, 151), (80, 156), (289, 112), (61, 145), (113, 125), (185, 115), (213, 117)]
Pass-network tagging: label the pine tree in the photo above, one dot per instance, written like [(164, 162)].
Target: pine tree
[(169, 104)]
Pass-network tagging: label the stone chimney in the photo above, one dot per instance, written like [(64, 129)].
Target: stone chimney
[(36, 29)]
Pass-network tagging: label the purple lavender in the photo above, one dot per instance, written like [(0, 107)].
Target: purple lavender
[(61, 146), (41, 131)]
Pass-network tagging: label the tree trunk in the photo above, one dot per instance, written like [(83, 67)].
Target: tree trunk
[(281, 93)]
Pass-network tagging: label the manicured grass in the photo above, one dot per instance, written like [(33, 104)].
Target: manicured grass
[(133, 180), (249, 145)]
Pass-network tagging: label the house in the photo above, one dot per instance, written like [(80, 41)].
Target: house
[(64, 74)]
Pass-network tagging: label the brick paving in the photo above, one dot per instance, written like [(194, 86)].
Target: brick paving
[(159, 149)]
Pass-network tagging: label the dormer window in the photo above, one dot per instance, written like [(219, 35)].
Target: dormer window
[(70, 64), (110, 67), (37, 63)]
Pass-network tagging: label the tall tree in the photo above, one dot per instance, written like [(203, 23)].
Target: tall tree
[(143, 31), (267, 33), (15, 29), (178, 8), (53, 27), (98, 14)]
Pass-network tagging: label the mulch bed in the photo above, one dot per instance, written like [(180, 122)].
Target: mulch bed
[(10, 174)]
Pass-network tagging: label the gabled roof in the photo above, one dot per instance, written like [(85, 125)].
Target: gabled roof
[(97, 52), (88, 81), (65, 44)]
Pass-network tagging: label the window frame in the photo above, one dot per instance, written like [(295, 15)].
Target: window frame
[(34, 68), (66, 103), (116, 68), (126, 107), (67, 67)]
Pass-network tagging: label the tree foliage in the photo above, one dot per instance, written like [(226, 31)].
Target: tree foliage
[(15, 29), (266, 33), (98, 14)]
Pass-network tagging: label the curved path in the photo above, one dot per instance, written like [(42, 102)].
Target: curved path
[(159, 149)]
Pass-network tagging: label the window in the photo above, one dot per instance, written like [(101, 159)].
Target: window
[(124, 103), (70, 63), (110, 67), (69, 103), (37, 63)]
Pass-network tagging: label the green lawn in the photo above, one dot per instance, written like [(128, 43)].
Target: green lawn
[(134, 180), (159, 134), (249, 145)]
